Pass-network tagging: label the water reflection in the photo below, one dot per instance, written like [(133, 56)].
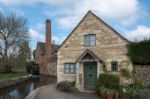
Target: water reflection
[(21, 90)]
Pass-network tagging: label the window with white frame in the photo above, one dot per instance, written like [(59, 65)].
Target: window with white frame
[(70, 68)]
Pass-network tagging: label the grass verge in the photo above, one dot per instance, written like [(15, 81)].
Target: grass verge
[(4, 76)]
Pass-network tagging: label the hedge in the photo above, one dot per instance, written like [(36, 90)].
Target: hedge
[(139, 52)]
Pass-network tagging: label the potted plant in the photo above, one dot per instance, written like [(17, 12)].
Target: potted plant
[(103, 91), (116, 94), (110, 94)]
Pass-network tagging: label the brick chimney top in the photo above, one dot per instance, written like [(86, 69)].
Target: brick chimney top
[(48, 20)]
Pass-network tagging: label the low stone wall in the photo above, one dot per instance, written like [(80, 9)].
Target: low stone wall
[(142, 73), (13, 81), (35, 92)]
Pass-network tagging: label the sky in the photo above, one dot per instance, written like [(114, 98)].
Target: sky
[(131, 18)]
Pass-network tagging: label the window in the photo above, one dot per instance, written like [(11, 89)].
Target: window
[(90, 40), (114, 66), (70, 68)]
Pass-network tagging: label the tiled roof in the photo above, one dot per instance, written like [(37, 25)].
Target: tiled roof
[(41, 45)]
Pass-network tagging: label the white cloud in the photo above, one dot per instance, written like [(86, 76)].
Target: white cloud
[(30, 2), (69, 22), (68, 13), (36, 36), (123, 11), (10, 2), (140, 33)]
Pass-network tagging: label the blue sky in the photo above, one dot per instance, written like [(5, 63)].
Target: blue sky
[(131, 18)]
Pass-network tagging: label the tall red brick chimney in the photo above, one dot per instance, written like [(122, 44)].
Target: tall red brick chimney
[(48, 47)]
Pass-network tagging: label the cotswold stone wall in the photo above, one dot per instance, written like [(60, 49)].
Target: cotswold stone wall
[(142, 73), (52, 68)]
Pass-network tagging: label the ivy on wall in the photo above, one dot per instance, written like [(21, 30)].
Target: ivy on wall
[(139, 52)]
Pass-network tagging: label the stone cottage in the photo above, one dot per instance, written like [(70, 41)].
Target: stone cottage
[(92, 48), (45, 53)]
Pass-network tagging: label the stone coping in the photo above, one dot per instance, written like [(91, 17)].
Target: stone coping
[(35, 92), (13, 81)]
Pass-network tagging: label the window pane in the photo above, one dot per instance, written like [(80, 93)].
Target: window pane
[(92, 43), (86, 40), (66, 71), (71, 70), (74, 71), (66, 65), (92, 37), (71, 65)]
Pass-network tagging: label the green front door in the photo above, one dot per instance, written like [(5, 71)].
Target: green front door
[(90, 74)]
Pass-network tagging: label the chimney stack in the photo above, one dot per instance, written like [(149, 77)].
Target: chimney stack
[(48, 48)]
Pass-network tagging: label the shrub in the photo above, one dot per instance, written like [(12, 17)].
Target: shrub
[(137, 84), (5, 68), (66, 86), (139, 52), (130, 89), (2, 68), (109, 81), (125, 73), (148, 86)]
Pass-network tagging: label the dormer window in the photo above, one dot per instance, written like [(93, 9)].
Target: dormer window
[(90, 40)]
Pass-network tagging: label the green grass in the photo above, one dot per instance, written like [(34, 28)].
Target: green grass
[(4, 76)]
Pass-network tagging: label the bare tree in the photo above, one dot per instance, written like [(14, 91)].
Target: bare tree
[(24, 53), (13, 32)]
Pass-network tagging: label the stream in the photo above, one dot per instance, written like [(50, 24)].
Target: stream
[(21, 90)]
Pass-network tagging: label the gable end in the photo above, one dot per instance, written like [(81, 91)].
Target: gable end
[(98, 19)]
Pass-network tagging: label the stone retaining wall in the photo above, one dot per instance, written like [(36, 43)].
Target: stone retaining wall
[(13, 81), (142, 73), (35, 92)]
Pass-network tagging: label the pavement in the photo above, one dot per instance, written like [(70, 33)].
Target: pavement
[(50, 92)]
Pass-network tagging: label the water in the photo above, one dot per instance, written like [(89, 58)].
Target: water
[(20, 91)]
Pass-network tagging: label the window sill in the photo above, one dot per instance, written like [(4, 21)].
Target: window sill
[(69, 74), (90, 46), (115, 72)]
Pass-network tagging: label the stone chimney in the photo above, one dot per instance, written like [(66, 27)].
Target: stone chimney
[(48, 38)]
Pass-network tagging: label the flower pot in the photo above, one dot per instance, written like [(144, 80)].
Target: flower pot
[(103, 94), (109, 97)]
